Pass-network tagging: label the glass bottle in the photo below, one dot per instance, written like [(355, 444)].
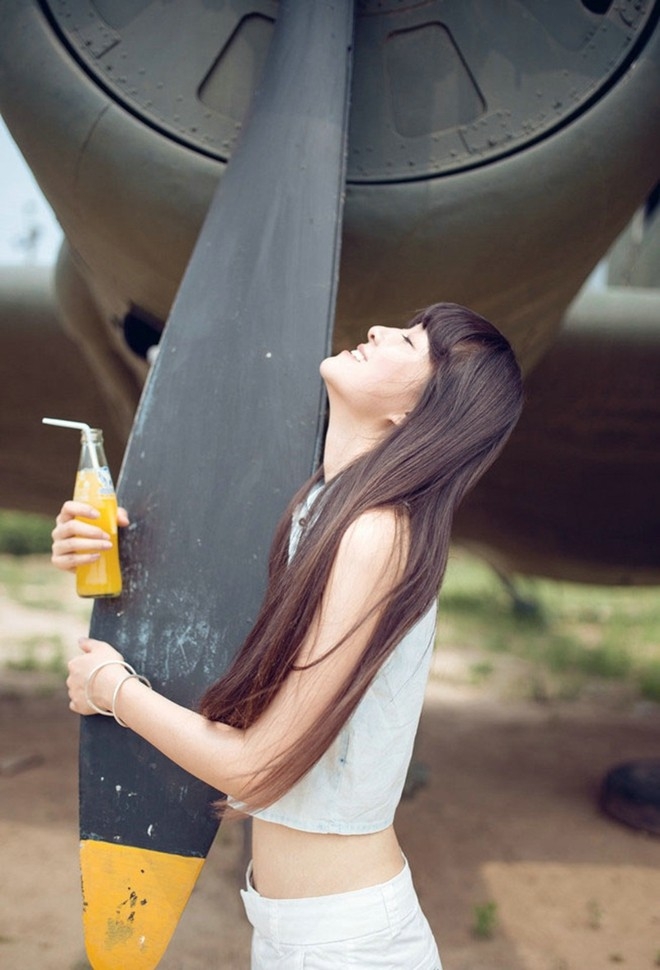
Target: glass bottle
[(94, 487)]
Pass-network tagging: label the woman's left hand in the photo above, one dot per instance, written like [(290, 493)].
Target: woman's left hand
[(94, 652)]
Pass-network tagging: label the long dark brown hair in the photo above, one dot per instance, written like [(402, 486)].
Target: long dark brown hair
[(421, 470)]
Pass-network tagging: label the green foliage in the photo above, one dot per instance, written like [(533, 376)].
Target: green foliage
[(480, 672), (594, 914), (649, 684), (484, 920), (52, 660), (24, 534), (567, 634), (564, 636), (31, 581)]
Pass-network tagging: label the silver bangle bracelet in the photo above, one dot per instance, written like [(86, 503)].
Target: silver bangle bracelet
[(133, 676), (90, 680)]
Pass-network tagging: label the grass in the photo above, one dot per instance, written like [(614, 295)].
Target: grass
[(481, 671), (32, 582), (24, 534), (594, 914), (38, 603), (484, 920), (567, 634), (567, 637), (40, 654)]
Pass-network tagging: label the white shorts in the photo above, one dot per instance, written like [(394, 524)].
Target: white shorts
[(378, 928)]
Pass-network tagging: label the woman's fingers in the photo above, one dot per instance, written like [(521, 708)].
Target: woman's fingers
[(71, 508), (77, 542), (75, 528), (71, 560), (76, 550), (81, 667), (71, 513), (81, 544), (76, 536), (70, 520)]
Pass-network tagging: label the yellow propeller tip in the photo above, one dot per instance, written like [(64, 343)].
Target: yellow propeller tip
[(132, 901)]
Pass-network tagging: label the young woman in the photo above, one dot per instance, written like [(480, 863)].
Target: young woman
[(311, 730)]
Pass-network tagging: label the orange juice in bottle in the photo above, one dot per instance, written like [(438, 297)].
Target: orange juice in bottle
[(94, 487)]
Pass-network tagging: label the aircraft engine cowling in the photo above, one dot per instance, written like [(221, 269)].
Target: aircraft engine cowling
[(495, 153)]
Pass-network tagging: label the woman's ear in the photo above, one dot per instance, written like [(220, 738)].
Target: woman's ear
[(399, 418)]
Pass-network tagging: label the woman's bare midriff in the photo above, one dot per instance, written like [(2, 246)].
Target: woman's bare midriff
[(291, 864)]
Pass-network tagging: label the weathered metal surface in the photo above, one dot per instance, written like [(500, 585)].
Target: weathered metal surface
[(438, 86), (228, 427)]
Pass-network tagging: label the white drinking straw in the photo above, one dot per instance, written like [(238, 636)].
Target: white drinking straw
[(80, 426)]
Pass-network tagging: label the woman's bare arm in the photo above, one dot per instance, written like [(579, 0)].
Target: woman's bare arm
[(367, 566)]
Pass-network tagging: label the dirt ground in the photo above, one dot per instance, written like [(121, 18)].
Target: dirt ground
[(508, 816)]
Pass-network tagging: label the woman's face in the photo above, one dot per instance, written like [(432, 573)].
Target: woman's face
[(381, 379)]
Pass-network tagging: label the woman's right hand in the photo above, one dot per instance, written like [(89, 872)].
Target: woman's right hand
[(76, 543)]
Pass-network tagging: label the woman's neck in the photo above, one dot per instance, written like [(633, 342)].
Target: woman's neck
[(346, 439)]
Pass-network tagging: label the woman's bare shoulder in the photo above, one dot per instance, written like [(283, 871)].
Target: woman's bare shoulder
[(375, 535)]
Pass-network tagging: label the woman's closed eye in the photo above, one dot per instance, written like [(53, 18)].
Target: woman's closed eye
[(408, 340)]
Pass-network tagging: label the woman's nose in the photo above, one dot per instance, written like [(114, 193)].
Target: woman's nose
[(375, 334)]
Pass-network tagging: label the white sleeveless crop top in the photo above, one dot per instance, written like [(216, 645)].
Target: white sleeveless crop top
[(356, 785)]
